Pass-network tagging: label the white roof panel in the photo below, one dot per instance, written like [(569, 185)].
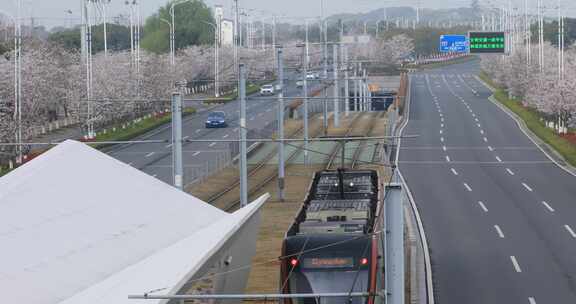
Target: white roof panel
[(74, 217)]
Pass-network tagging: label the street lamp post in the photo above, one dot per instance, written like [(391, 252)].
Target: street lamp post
[(216, 55)]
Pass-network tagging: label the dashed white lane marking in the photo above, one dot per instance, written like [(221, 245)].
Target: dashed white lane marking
[(479, 125), (485, 139), (447, 158), (572, 233), (548, 206), (198, 131), (454, 171), (441, 131), (196, 153), (476, 119), (490, 148), (130, 164), (212, 144), (168, 146), (527, 187), (260, 114), (225, 136), (482, 206), (467, 187), (154, 175), (251, 118), (473, 115), (498, 159), (515, 264), (441, 125), (442, 139), (531, 300), (235, 129), (185, 137), (499, 231), (268, 110), (509, 171), (150, 154), (482, 132), (444, 148)]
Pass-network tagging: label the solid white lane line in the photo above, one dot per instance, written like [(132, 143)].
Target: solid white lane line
[(499, 231), (548, 206), (447, 158), (572, 233), (150, 154), (490, 148), (527, 187), (531, 300), (454, 171), (509, 171), (196, 153), (482, 206), (515, 264), (498, 159), (485, 139), (225, 136), (212, 144), (467, 187)]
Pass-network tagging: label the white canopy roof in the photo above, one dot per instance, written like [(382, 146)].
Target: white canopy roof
[(77, 226)]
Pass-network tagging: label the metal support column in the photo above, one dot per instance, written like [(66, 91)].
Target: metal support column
[(242, 129), (346, 84), (177, 167), (394, 256), (280, 124), (336, 86)]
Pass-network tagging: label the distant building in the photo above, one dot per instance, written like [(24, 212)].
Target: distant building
[(226, 32), (356, 39), (226, 26)]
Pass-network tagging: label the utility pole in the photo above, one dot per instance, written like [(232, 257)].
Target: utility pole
[(177, 167), (235, 35), (346, 83), (336, 86), (280, 125), (242, 129), (305, 79), (18, 79)]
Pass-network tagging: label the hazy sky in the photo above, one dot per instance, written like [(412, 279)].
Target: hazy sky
[(53, 12)]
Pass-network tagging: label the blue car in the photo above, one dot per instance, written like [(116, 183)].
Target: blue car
[(216, 120)]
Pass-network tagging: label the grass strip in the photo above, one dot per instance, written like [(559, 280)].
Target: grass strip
[(532, 119)]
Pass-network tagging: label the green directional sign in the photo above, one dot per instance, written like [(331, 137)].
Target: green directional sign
[(487, 42)]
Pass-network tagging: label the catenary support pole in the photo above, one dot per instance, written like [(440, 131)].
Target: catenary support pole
[(177, 167), (242, 129), (281, 159), (394, 256), (305, 88), (336, 86), (346, 84)]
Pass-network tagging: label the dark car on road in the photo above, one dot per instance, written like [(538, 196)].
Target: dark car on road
[(216, 119)]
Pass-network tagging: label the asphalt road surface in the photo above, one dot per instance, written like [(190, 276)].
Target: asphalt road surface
[(156, 159), (499, 215)]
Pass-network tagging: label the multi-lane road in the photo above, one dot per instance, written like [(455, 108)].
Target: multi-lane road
[(156, 159), (499, 215)]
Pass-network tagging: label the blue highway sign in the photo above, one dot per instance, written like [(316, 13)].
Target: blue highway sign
[(453, 44)]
